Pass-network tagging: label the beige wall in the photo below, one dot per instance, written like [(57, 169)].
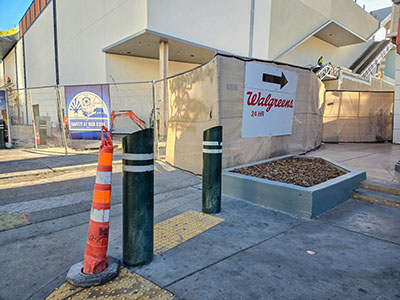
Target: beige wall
[(213, 23), (291, 22), (261, 34), (354, 82), (353, 17), (123, 68), (2, 79), (305, 16), (86, 27), (395, 20), (9, 64), (20, 64), (308, 53), (39, 50)]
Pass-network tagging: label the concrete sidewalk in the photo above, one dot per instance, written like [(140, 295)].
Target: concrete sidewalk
[(351, 252), (378, 160)]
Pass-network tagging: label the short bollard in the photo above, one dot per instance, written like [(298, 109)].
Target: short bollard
[(138, 198), (212, 167), (397, 166)]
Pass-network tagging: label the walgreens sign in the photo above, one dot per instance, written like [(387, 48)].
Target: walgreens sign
[(269, 101)]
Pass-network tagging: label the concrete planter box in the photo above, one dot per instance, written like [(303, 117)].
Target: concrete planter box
[(306, 202)]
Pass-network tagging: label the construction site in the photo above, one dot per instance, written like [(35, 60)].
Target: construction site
[(215, 102)]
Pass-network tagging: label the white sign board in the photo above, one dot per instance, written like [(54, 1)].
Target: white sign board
[(269, 100)]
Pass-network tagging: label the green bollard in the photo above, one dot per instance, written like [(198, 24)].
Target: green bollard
[(138, 198), (2, 135), (212, 168)]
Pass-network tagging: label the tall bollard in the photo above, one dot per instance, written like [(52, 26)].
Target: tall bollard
[(138, 198), (2, 135), (212, 167)]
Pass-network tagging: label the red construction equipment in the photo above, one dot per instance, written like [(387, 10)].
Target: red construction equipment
[(95, 259), (128, 113)]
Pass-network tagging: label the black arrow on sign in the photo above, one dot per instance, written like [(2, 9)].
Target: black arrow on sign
[(275, 79)]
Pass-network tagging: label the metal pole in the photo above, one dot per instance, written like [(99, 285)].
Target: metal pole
[(155, 116), (138, 198), (33, 118), (60, 119), (212, 168)]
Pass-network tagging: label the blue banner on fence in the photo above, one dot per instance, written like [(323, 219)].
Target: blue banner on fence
[(88, 108)]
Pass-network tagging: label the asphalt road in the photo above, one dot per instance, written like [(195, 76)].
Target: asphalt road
[(351, 252), (45, 199)]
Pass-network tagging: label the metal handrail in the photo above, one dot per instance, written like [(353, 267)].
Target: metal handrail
[(377, 60), (324, 71)]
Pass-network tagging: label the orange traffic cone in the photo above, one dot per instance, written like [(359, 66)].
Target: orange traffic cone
[(96, 267), (37, 137), (95, 259)]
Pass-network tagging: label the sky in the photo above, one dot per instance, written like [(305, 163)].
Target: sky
[(11, 11), (374, 4)]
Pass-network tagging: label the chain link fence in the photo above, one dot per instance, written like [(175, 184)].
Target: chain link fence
[(38, 116)]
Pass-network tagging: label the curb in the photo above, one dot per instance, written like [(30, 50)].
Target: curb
[(53, 170)]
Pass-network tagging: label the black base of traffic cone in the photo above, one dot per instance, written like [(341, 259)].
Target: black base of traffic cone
[(76, 277)]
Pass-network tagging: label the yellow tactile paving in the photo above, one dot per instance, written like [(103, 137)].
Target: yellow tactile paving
[(10, 221), (177, 230), (127, 285)]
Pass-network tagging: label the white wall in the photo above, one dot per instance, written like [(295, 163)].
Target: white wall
[(20, 64), (123, 68), (9, 64), (2, 79), (86, 27), (261, 33), (308, 53), (39, 51), (219, 24)]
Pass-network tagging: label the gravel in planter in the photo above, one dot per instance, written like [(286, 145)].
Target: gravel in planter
[(302, 171)]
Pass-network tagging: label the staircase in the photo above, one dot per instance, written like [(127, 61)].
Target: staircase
[(380, 193), (371, 57)]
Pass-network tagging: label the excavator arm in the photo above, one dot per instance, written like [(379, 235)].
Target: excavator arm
[(135, 119)]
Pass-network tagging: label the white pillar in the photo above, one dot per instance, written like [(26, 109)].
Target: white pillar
[(163, 68)]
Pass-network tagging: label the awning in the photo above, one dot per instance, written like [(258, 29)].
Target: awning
[(146, 44), (338, 35), (8, 38)]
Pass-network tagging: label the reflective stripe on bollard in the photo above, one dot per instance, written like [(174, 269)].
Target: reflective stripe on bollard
[(2, 135), (138, 198), (212, 168)]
